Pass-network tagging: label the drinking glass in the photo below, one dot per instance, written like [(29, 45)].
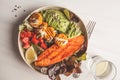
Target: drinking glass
[(100, 68)]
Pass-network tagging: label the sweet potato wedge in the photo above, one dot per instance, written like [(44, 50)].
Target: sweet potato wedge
[(55, 54)]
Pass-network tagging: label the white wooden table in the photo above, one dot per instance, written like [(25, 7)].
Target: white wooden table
[(105, 40)]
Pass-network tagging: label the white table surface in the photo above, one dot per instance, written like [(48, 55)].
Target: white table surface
[(105, 40)]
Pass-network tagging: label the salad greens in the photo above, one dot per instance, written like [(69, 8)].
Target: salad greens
[(21, 27), (25, 25)]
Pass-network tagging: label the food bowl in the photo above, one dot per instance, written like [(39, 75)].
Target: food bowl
[(79, 23)]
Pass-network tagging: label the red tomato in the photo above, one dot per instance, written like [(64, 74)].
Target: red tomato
[(22, 34), (41, 40), (25, 40), (29, 34), (43, 45), (26, 45), (34, 40)]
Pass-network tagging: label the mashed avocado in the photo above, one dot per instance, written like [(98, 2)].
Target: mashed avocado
[(61, 23), (56, 19), (73, 30)]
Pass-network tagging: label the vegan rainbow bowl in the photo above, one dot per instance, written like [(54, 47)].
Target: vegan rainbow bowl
[(53, 40)]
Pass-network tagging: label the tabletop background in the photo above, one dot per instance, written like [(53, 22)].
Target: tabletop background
[(105, 39)]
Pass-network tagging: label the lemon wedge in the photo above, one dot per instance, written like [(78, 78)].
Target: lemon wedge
[(30, 55)]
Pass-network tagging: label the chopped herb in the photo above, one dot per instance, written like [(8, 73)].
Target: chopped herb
[(24, 10), (15, 15), (15, 5), (18, 7), (15, 9), (12, 11)]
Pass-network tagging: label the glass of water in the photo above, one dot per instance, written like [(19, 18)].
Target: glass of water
[(100, 68)]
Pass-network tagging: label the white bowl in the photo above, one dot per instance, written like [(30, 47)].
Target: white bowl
[(44, 8)]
